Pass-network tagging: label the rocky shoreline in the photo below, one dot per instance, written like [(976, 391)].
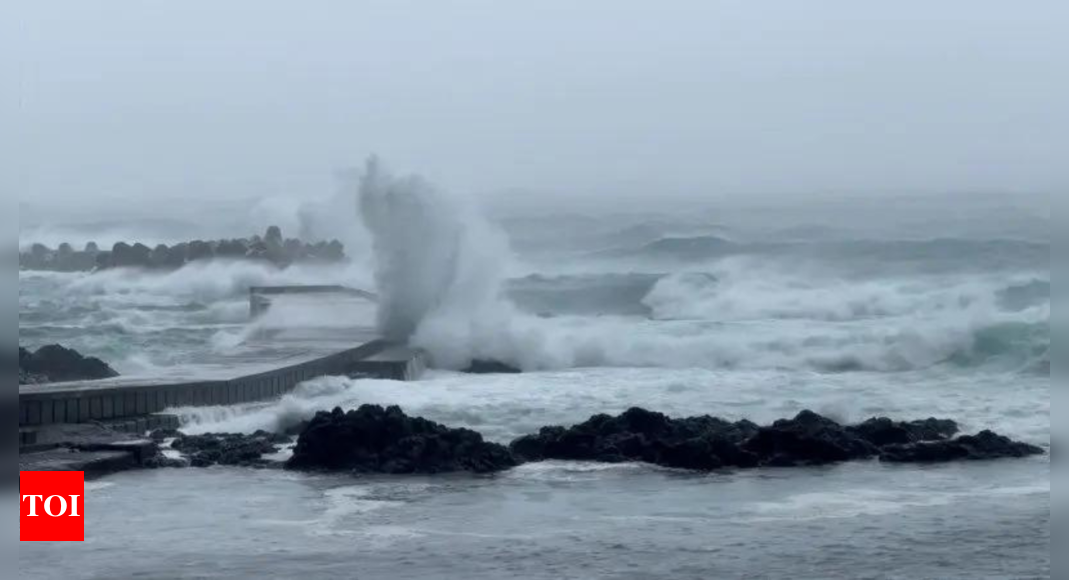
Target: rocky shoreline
[(373, 439), (377, 440), (270, 248)]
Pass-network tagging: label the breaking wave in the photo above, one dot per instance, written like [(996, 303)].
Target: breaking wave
[(440, 273)]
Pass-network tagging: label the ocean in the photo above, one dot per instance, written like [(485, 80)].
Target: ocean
[(849, 308)]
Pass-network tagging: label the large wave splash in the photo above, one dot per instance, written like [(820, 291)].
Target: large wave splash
[(439, 271)]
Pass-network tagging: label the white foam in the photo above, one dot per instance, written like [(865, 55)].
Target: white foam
[(440, 265)]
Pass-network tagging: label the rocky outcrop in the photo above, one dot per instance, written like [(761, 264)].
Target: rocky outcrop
[(271, 248), (373, 439), (882, 431), (376, 440), (54, 363), (985, 445), (226, 448), (705, 443), (646, 436)]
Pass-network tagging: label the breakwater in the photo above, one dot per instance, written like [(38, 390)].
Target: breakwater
[(125, 398)]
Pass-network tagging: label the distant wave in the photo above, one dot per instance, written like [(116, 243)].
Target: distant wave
[(1025, 295), (933, 255), (592, 294), (678, 248)]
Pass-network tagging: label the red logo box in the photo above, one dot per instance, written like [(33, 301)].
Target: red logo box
[(52, 506)]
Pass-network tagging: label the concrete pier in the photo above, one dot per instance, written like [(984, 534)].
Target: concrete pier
[(260, 296), (335, 338), (112, 400)]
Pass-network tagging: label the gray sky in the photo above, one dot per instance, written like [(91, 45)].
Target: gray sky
[(159, 99)]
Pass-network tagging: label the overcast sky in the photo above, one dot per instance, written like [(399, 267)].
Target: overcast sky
[(159, 99)]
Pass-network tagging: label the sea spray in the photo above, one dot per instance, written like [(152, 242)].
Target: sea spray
[(439, 268)]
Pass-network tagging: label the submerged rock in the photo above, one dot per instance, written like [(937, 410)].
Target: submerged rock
[(376, 440), (54, 363), (227, 448)]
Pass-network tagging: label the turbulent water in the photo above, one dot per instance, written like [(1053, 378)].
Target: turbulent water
[(734, 313)]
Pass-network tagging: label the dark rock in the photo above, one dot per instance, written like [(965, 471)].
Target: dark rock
[(199, 250), (705, 443), (882, 431), (56, 363), (488, 367), (983, 446), (641, 435), (808, 439), (228, 448), (376, 440), (296, 429)]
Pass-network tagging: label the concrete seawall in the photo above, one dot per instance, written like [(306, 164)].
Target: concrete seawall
[(108, 402)]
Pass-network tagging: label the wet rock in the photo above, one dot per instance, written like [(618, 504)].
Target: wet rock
[(704, 443), (807, 439), (881, 431), (54, 363), (229, 448), (489, 367), (376, 440), (640, 435), (983, 446)]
